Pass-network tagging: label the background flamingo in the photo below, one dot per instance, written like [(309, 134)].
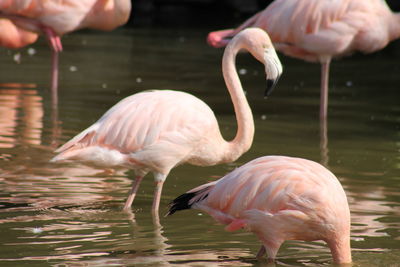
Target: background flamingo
[(21, 21), (278, 198), (319, 30), (157, 130)]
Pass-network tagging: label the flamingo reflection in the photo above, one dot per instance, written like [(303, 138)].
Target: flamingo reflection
[(22, 116), (20, 107)]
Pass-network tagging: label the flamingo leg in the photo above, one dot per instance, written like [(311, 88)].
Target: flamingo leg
[(323, 113), (54, 43), (157, 196), (324, 88), (323, 144), (54, 78), (132, 192), (56, 47)]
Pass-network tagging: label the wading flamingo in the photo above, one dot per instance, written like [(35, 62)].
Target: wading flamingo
[(22, 20), (278, 198), (319, 30), (154, 131)]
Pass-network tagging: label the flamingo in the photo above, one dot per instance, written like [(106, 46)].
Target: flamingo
[(278, 198), (154, 131), (22, 20), (319, 30)]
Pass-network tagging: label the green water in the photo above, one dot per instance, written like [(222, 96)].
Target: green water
[(70, 214)]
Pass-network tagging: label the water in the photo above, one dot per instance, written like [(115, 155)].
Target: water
[(70, 214)]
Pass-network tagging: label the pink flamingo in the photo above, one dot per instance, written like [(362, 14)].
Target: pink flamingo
[(22, 20), (319, 30), (153, 131), (278, 198)]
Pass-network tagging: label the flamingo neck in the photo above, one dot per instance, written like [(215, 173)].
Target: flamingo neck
[(341, 251), (394, 26), (245, 131)]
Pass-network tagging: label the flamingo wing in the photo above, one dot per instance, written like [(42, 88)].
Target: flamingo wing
[(268, 184), (156, 128)]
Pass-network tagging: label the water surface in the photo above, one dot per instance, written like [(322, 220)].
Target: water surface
[(70, 214)]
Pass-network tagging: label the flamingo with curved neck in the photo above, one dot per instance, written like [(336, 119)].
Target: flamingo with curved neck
[(154, 131)]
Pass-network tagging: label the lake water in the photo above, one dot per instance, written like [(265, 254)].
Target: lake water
[(70, 214)]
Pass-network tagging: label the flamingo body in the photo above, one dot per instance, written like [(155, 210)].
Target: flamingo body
[(278, 198), (181, 128), (67, 16), (157, 130), (319, 30)]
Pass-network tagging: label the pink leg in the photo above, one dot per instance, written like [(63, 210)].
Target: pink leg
[(56, 47), (54, 43), (323, 113), (132, 192), (54, 78), (324, 88), (157, 197), (52, 37), (323, 144)]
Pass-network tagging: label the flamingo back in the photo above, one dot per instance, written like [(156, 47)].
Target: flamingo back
[(274, 183)]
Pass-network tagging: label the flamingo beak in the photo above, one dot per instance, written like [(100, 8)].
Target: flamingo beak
[(271, 83)]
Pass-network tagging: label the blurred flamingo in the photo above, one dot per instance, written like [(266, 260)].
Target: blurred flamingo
[(278, 198), (154, 131), (319, 30), (22, 20)]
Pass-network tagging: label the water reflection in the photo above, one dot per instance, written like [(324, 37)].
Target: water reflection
[(21, 112), (22, 116)]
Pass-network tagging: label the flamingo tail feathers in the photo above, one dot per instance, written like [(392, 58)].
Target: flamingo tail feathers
[(188, 199)]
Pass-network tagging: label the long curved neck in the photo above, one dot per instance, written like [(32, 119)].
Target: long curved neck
[(340, 248), (245, 129), (394, 26)]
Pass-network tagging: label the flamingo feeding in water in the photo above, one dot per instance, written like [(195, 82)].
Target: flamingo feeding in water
[(319, 30), (21, 21), (278, 198), (154, 131)]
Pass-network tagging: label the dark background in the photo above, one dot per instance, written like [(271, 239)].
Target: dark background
[(201, 13)]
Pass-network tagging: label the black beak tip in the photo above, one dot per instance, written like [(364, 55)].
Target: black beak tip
[(270, 87)]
